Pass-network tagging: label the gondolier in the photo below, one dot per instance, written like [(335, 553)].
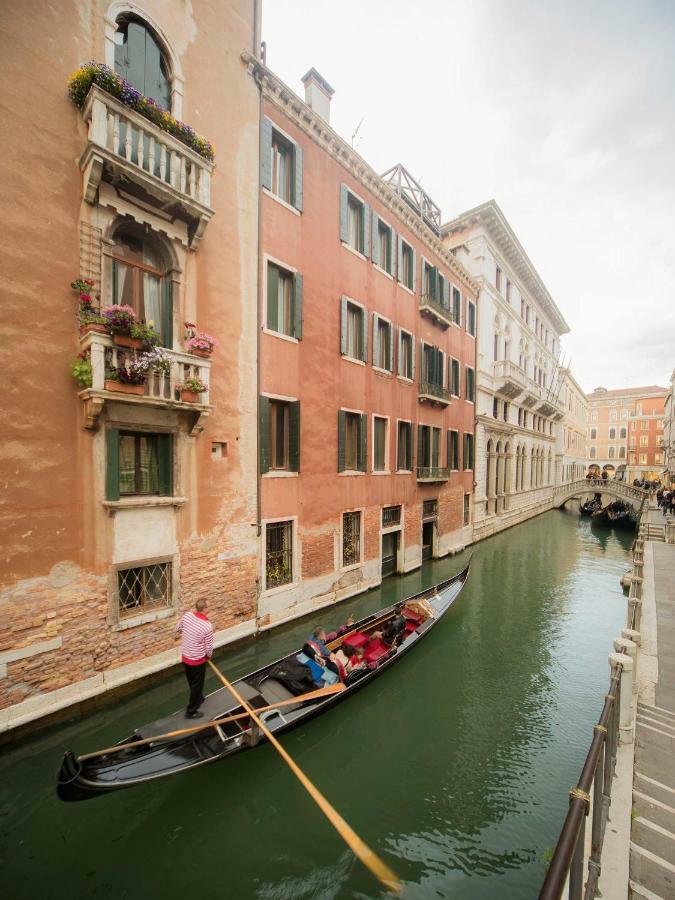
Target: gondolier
[(196, 648)]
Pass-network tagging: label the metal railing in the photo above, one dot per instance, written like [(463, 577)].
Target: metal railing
[(429, 389), (433, 473), (596, 780), (442, 312)]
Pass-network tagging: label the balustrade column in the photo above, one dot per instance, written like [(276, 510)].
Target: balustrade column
[(626, 704), (508, 479)]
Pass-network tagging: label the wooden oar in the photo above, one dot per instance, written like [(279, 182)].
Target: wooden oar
[(159, 738), (353, 841)]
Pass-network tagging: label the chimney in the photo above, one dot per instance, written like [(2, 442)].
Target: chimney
[(317, 93)]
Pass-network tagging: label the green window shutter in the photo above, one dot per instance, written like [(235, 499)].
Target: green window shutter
[(399, 448), (431, 365), (440, 368), (364, 335), (376, 340), (294, 436), (297, 159), (166, 325), (264, 434), (433, 282), (411, 451), (363, 443), (297, 306), (446, 293), (393, 254), (112, 480), (165, 464), (420, 444), (414, 270), (400, 354), (366, 230), (390, 361), (399, 254), (342, 418), (344, 212), (156, 85), (412, 356), (266, 153), (343, 326), (136, 55), (272, 297), (376, 241)]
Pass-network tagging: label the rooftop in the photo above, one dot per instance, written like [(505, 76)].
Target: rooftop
[(652, 390)]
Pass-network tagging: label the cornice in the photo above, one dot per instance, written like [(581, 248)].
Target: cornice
[(279, 94)]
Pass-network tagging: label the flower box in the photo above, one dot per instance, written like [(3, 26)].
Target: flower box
[(189, 396), (205, 354), (121, 388), (123, 340), (96, 327)]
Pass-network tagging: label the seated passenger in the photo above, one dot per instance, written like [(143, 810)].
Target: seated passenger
[(315, 646), (394, 630), (347, 660), (341, 630)]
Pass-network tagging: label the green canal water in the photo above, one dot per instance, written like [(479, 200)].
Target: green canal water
[(454, 766)]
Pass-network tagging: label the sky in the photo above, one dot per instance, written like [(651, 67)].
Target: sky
[(563, 112)]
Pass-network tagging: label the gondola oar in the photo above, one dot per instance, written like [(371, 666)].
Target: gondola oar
[(349, 836), (319, 694)]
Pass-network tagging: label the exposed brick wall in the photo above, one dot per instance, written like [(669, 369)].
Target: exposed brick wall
[(318, 554)]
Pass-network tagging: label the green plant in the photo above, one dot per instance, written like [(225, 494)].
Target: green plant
[(547, 856), (81, 370), (88, 317), (145, 333), (194, 385)]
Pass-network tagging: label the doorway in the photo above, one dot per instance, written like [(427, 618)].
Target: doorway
[(427, 540), (389, 552)]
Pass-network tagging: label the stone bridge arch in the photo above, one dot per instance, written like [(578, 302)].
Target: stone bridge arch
[(584, 489)]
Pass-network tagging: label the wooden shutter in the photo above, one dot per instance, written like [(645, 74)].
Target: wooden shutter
[(414, 270), (376, 241), (264, 434), (394, 255), (440, 369), (412, 356), (156, 85), (445, 299), (343, 326), (135, 55), (364, 335), (266, 153), (272, 297), (112, 480), (297, 306), (433, 282), (363, 443), (366, 230), (294, 436), (411, 451), (390, 361), (400, 353), (399, 254), (420, 442), (165, 464), (376, 340), (297, 181), (166, 325), (344, 213), (341, 423)]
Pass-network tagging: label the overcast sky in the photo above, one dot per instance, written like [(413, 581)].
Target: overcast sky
[(561, 111)]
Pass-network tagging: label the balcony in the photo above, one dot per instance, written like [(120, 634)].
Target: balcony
[(161, 391), (434, 309), (511, 379), (431, 474), (139, 159), (433, 393)]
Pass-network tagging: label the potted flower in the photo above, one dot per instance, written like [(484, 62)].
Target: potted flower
[(129, 379), (119, 320), (154, 360), (145, 333), (191, 389), (81, 370), (91, 321), (190, 330), (201, 344)]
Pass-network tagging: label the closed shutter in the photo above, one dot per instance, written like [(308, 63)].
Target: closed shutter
[(449, 450), (363, 443), (431, 365), (433, 282), (297, 306), (297, 185), (156, 85), (376, 340), (266, 154), (364, 335), (264, 436), (391, 349), (342, 418), (165, 464), (166, 326), (343, 326), (400, 353), (411, 449), (135, 56), (344, 213), (376, 242), (440, 369), (294, 436), (420, 445), (414, 270), (272, 297), (412, 357), (399, 254), (366, 230), (445, 299), (112, 480), (393, 254)]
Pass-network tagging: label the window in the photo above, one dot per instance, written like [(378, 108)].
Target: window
[(622, 452), (406, 355), (453, 450), (468, 451), (624, 413), (594, 417), (658, 458), (495, 407), (594, 433), (351, 538), (352, 441), (612, 452), (467, 509), (612, 434), (140, 279), (406, 264), (612, 415), (383, 346), (455, 378), (508, 291), (644, 440), (284, 301), (353, 330), (432, 365), (428, 446), (457, 306), (505, 411), (622, 433), (404, 449), (279, 435), (430, 281), (471, 318), (380, 444), (644, 425), (278, 554), (391, 516), (592, 453), (495, 348), (139, 59), (498, 279), (144, 588), (138, 463), (470, 384), (354, 222), (281, 164), (383, 245), (633, 426), (643, 459), (632, 443)]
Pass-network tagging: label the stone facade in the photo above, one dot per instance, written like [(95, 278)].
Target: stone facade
[(574, 428)]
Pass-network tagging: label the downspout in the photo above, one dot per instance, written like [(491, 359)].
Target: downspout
[(258, 522)]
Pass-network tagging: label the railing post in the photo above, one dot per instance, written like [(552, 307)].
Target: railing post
[(98, 126), (633, 635), (577, 865), (97, 356), (625, 711), (598, 814)]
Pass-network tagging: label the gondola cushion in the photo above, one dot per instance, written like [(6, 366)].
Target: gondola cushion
[(358, 639), (375, 649)]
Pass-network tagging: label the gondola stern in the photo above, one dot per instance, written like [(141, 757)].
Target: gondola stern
[(68, 786)]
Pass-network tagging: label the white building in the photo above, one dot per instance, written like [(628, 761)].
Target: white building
[(573, 429), (519, 454)]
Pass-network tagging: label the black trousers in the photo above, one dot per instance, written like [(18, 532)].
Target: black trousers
[(195, 678)]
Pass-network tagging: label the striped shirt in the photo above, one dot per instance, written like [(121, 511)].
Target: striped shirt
[(197, 641)]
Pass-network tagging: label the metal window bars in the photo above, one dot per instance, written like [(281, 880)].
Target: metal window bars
[(279, 554), (144, 588)]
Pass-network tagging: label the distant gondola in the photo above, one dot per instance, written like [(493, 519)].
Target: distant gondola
[(120, 768), (599, 516), (619, 515), (590, 506)]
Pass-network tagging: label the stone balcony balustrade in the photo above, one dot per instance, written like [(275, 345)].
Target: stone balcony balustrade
[(160, 390), (432, 473), (434, 310), (433, 393), (511, 380), (132, 153)]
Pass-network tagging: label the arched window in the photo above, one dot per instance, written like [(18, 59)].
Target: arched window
[(612, 434), (622, 433), (592, 454), (611, 452), (622, 452), (140, 279), (139, 59), (594, 433)]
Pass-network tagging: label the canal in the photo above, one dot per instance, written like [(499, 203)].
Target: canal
[(454, 766)]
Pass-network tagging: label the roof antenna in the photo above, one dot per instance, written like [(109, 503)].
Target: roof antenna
[(356, 131)]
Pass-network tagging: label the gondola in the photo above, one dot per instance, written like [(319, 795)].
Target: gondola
[(619, 515), (122, 767), (599, 517), (590, 506)]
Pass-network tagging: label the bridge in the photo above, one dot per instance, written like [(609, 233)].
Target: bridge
[(585, 488)]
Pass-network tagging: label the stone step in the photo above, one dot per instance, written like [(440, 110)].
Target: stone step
[(640, 892), (661, 814), (665, 725), (651, 872), (657, 711), (654, 761), (654, 789), (652, 837)]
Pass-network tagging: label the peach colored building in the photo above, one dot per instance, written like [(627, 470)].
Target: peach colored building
[(367, 366), (120, 507)]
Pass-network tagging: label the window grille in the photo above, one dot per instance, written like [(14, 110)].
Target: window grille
[(429, 508), (351, 538), (391, 515), (144, 588), (279, 554)]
